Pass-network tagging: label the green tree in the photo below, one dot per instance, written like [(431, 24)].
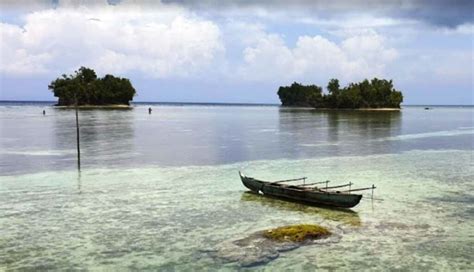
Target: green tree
[(334, 91), (301, 95), (375, 93), (87, 89)]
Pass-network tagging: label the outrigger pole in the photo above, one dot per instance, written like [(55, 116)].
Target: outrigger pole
[(362, 189), (314, 183), (327, 187), (340, 186), (77, 135), (288, 180)]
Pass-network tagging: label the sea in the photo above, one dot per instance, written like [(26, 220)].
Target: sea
[(161, 191)]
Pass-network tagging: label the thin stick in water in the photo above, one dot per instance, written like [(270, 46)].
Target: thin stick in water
[(77, 138)]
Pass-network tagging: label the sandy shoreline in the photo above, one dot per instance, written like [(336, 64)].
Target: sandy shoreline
[(107, 107), (365, 109), (343, 109)]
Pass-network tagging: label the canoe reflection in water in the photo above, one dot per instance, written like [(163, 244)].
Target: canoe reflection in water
[(344, 216)]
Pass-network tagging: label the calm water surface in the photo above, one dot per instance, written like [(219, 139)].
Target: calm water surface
[(161, 191)]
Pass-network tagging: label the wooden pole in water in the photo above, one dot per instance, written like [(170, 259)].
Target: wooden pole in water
[(77, 136)]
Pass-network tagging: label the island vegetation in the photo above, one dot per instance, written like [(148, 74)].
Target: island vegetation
[(373, 94), (86, 89)]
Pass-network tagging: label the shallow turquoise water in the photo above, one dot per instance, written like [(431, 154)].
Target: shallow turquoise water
[(128, 210)]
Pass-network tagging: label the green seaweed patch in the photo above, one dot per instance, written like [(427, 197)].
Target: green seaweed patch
[(297, 233)]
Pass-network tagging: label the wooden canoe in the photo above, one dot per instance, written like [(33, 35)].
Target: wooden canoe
[(301, 193)]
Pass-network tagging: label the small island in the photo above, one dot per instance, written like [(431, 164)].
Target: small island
[(85, 89), (373, 94)]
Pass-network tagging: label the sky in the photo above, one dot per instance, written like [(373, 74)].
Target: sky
[(240, 51)]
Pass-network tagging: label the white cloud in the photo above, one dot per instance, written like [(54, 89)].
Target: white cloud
[(168, 42), (355, 22), (16, 59), (369, 52), (269, 57), (440, 67), (317, 58)]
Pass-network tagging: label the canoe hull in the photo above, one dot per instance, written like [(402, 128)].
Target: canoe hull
[(294, 193)]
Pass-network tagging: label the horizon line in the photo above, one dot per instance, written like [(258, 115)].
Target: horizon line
[(218, 103)]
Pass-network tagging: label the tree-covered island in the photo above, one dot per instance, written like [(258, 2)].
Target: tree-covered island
[(376, 93), (85, 88)]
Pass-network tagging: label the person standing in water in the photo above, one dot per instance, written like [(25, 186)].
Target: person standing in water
[(44, 112), (149, 110)]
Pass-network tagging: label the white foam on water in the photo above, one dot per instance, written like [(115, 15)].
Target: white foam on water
[(267, 130), (443, 133), (319, 145), (38, 152)]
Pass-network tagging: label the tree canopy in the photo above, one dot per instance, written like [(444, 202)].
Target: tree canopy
[(87, 89), (376, 93)]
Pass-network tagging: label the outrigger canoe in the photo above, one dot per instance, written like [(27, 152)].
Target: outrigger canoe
[(306, 192)]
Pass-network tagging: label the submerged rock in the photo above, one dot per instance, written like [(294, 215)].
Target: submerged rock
[(296, 233), (263, 246)]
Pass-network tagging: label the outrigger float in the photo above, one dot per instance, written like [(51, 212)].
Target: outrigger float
[(307, 192)]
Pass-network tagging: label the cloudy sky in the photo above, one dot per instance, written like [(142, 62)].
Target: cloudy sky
[(240, 51)]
